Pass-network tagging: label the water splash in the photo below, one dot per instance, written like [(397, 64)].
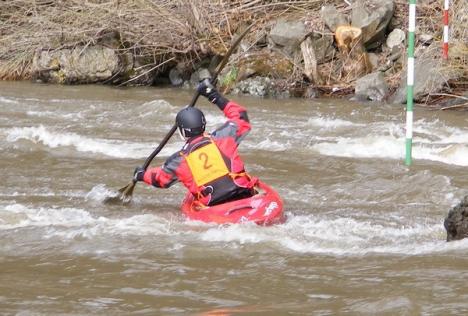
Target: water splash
[(112, 148)]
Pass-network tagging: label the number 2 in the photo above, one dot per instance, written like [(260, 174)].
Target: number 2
[(204, 158)]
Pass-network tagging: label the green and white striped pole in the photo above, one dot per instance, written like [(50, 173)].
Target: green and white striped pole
[(410, 81)]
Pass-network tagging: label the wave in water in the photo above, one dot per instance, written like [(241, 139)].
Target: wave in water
[(304, 234), (433, 141), (8, 100), (386, 140), (112, 148)]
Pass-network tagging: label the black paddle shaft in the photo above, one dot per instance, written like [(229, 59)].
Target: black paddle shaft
[(195, 98)]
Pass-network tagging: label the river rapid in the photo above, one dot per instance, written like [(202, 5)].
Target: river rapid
[(364, 233)]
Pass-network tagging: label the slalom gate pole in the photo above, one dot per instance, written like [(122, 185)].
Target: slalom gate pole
[(410, 81), (446, 29)]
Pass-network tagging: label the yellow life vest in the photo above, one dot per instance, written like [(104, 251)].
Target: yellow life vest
[(206, 164)]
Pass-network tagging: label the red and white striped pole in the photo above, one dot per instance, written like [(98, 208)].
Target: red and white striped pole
[(446, 29)]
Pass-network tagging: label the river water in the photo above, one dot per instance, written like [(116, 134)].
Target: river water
[(364, 234)]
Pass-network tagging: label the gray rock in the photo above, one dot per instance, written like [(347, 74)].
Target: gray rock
[(374, 60), (425, 39), (82, 64), (371, 87), (396, 38), (287, 35), (456, 222), (257, 86), (373, 17), (430, 76), (199, 75), (332, 17), (260, 87), (175, 77)]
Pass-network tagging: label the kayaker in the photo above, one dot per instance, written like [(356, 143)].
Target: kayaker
[(208, 164)]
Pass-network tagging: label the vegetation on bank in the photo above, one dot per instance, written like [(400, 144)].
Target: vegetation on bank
[(162, 34)]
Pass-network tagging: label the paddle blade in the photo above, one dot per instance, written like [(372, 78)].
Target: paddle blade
[(124, 195)]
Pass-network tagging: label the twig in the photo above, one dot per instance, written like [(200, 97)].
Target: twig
[(455, 106), (450, 95)]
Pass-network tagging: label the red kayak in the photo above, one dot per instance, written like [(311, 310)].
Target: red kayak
[(264, 208)]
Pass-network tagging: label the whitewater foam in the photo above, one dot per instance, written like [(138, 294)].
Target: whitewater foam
[(113, 148), (441, 144), (340, 236), (8, 100), (331, 123)]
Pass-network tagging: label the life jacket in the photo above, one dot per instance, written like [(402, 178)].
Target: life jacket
[(211, 172)]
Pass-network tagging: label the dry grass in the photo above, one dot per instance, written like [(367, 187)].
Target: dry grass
[(151, 29), (187, 30), (429, 21)]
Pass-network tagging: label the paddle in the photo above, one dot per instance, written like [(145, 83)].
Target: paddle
[(125, 194)]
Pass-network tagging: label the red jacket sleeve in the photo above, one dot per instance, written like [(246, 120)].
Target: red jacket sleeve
[(159, 178), (166, 175), (238, 114), (237, 125)]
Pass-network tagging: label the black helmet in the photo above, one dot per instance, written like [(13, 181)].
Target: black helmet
[(191, 122)]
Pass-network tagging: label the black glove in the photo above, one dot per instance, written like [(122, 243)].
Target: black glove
[(138, 174), (207, 90)]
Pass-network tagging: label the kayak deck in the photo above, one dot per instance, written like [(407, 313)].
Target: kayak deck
[(264, 208)]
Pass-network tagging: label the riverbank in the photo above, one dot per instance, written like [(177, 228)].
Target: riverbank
[(295, 48)]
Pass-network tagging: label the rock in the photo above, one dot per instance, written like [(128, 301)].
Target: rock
[(199, 75), (175, 77), (262, 87), (425, 39), (332, 18), (395, 39), (92, 64), (371, 87), (264, 63), (287, 35), (310, 93), (373, 17), (430, 76), (374, 60), (258, 86), (456, 222), (81, 64)]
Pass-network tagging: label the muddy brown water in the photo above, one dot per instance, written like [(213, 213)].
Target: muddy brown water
[(364, 234)]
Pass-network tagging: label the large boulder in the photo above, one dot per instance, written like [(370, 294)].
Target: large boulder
[(371, 87), (258, 86), (373, 17), (430, 76), (456, 222), (332, 17), (81, 64), (264, 63), (287, 35)]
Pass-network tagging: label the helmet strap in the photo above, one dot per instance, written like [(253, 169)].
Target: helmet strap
[(182, 134)]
